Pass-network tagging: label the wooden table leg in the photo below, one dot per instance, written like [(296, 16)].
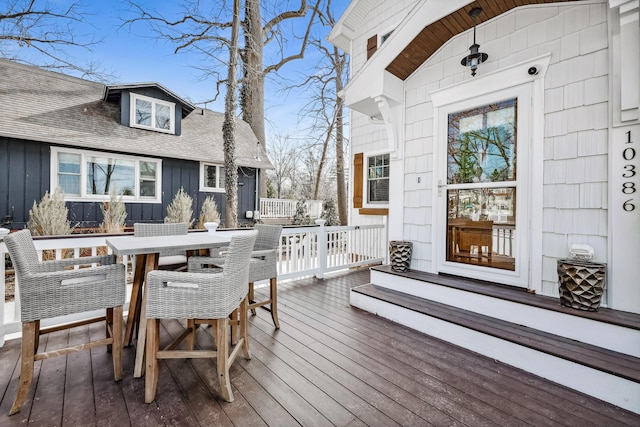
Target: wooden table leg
[(138, 369), (136, 298)]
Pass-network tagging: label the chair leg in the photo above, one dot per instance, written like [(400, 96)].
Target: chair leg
[(136, 299), (117, 336), (29, 348), (233, 317), (273, 282), (223, 359), (244, 334), (252, 298), (191, 338), (151, 377), (108, 325)]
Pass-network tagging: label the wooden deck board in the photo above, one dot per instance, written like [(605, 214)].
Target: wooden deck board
[(437, 377), (329, 364), (609, 361)]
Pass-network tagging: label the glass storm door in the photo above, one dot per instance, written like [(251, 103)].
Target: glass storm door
[(481, 186)]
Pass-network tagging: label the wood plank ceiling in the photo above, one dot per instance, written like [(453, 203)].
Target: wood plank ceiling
[(438, 33)]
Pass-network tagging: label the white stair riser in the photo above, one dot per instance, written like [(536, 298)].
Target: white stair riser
[(615, 390), (612, 337)]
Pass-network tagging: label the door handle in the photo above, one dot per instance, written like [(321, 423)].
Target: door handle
[(440, 187)]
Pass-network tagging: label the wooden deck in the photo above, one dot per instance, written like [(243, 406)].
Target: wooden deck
[(329, 364)]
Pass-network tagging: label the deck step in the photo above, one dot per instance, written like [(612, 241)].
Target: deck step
[(611, 362)]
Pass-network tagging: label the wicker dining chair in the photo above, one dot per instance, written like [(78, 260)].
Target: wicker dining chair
[(201, 298), (263, 267), (169, 259), (50, 289)]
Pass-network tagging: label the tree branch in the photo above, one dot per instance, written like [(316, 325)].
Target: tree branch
[(299, 55)]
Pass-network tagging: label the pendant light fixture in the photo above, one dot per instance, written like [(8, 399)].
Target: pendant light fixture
[(475, 57)]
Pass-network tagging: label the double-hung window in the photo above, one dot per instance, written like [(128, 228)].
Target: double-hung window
[(153, 114), (211, 177), (93, 175), (378, 179)]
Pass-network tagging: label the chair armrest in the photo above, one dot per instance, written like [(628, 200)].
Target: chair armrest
[(50, 294), (197, 263), (60, 275), (60, 264), (264, 254)]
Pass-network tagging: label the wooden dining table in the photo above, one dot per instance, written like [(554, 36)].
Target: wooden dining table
[(147, 251)]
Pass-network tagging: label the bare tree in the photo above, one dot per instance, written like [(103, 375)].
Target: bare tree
[(45, 33), (326, 108), (229, 124), (205, 32), (282, 156)]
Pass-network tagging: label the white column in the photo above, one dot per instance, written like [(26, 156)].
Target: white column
[(624, 156), (625, 31)]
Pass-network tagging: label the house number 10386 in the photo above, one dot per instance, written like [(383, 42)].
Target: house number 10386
[(629, 187)]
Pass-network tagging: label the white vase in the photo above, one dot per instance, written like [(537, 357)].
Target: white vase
[(211, 226)]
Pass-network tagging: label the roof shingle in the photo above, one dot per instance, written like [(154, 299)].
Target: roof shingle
[(50, 107)]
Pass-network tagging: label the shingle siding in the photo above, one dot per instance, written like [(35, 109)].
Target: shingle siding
[(575, 117)]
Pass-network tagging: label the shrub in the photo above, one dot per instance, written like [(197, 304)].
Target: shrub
[(301, 216), (209, 212), (180, 209), (114, 213), (329, 213), (49, 218)]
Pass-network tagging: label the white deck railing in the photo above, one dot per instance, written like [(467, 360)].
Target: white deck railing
[(286, 208), (304, 251)]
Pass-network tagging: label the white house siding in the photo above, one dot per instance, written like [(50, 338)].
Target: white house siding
[(366, 136), (576, 124), (382, 17)]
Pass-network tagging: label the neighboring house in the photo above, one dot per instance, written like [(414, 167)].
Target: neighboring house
[(541, 148), (141, 140)]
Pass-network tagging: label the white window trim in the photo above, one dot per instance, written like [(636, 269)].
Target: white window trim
[(365, 181), (491, 87), (154, 101), (84, 197), (203, 187)]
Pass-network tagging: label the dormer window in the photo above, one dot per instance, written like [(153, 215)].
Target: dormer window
[(152, 114)]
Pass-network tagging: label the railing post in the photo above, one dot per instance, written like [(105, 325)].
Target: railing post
[(322, 248), (2, 290), (3, 272)]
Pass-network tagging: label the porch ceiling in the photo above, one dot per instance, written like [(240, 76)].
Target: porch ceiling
[(436, 34)]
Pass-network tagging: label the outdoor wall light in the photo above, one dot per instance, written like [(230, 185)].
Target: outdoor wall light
[(257, 156), (474, 58)]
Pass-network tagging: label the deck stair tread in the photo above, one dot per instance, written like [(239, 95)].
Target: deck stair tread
[(618, 364), (519, 295)]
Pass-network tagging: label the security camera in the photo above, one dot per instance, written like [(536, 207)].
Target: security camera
[(532, 71)]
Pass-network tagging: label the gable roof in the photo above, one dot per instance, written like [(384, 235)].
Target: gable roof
[(113, 92), (46, 106), (435, 34), (427, 27)]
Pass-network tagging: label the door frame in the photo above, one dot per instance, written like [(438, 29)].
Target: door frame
[(509, 82)]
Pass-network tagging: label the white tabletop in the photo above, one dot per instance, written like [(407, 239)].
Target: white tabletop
[(131, 245)]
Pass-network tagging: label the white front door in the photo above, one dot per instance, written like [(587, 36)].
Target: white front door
[(482, 174)]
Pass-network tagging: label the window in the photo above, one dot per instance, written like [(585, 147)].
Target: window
[(378, 179), (211, 177), (153, 114), (91, 175)]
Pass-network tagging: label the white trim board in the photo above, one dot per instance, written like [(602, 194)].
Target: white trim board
[(612, 389)]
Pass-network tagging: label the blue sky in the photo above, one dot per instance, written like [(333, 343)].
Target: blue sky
[(132, 54)]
